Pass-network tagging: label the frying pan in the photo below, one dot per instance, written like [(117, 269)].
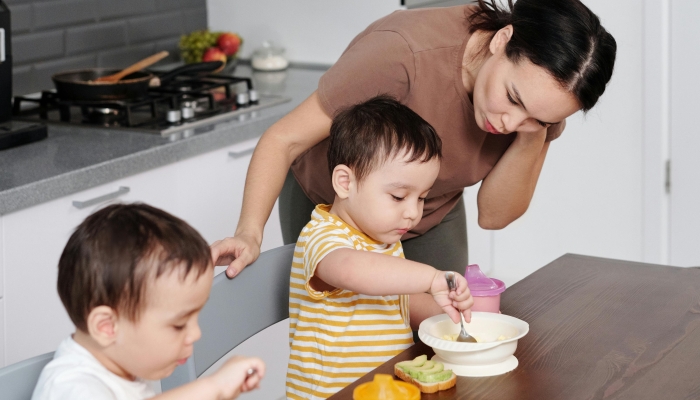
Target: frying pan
[(80, 85)]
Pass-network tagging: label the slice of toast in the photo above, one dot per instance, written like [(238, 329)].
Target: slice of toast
[(425, 387)]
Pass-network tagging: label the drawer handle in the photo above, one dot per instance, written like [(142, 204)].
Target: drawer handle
[(109, 196), (242, 153), (2, 45)]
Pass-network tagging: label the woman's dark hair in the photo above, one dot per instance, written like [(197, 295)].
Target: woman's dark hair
[(365, 135), (116, 253), (562, 36)]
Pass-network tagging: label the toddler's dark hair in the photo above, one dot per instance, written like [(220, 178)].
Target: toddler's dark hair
[(113, 254), (366, 135)]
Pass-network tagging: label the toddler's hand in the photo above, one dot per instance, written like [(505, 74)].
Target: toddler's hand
[(460, 300), (232, 378)]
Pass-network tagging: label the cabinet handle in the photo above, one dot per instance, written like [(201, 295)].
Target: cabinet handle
[(2, 44), (109, 196), (242, 153)]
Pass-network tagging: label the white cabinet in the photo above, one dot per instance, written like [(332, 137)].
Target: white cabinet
[(210, 189), (210, 193), (2, 332), (684, 142), (2, 269), (206, 191), (33, 240)]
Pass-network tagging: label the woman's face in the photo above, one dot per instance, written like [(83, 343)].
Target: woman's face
[(522, 97)]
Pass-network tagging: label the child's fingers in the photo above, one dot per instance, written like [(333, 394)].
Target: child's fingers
[(259, 366), (467, 315), (452, 313), (251, 383), (461, 284)]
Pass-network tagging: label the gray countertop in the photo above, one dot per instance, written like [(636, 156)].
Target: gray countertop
[(73, 159)]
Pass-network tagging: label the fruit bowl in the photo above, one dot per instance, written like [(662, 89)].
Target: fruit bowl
[(488, 357), (205, 45)]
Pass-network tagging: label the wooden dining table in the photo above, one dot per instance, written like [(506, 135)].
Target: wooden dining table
[(599, 329)]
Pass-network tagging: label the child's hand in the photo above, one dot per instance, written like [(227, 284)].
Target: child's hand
[(460, 300), (232, 378)]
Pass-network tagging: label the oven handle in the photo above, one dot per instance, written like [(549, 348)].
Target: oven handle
[(109, 196), (242, 153), (2, 44)]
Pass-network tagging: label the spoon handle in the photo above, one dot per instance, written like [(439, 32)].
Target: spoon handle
[(146, 62), (450, 278)]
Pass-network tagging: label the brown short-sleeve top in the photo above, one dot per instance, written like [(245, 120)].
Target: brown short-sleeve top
[(414, 56)]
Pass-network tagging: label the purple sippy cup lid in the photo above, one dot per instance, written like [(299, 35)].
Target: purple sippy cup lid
[(480, 284)]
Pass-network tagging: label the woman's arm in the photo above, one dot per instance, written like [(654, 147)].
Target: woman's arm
[(278, 147), (506, 191)]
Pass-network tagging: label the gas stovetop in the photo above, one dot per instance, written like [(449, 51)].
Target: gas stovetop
[(179, 106)]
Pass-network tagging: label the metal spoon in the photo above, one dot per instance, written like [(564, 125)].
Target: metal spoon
[(463, 335), (250, 372)]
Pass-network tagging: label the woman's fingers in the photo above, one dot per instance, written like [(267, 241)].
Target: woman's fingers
[(236, 252), (237, 265)]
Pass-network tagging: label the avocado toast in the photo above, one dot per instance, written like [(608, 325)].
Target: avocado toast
[(429, 376)]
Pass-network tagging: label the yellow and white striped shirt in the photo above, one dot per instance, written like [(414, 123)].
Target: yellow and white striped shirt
[(338, 336)]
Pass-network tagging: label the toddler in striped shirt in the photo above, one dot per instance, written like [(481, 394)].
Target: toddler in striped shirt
[(353, 296)]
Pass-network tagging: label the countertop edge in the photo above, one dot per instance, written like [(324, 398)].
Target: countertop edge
[(72, 182)]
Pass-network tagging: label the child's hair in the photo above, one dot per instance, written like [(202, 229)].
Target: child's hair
[(366, 135), (114, 253)]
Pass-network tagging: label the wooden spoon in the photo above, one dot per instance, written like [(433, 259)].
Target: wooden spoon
[(146, 62)]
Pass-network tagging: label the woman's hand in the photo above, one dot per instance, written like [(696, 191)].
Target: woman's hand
[(237, 252), (281, 144)]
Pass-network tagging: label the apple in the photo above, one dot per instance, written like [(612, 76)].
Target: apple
[(214, 54), (228, 43)]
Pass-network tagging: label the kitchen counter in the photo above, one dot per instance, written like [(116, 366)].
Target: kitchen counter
[(72, 159)]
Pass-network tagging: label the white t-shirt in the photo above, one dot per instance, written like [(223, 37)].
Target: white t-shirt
[(74, 373)]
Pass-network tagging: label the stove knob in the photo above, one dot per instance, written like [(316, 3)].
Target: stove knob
[(173, 116), (187, 112), (189, 104), (254, 96), (242, 99)]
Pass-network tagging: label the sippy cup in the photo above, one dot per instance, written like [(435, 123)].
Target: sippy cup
[(384, 387), (485, 291)]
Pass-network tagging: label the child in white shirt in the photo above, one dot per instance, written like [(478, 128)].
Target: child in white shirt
[(133, 279)]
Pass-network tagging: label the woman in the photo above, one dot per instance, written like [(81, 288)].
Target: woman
[(497, 85)]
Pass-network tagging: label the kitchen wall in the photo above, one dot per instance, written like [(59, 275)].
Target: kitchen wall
[(311, 31), (50, 36)]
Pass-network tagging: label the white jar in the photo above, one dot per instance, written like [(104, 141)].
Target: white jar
[(269, 58)]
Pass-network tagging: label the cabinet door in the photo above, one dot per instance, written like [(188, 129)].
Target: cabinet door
[(684, 216), (210, 193), (33, 240), (2, 270), (2, 333)]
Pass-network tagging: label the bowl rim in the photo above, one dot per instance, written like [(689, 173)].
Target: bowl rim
[(441, 344)]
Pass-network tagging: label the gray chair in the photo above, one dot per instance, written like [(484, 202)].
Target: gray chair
[(238, 309), (17, 381)]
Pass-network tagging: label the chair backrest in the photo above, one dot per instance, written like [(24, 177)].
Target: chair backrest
[(238, 309), (17, 381)]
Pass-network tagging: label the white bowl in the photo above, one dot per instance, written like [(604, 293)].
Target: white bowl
[(487, 358)]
